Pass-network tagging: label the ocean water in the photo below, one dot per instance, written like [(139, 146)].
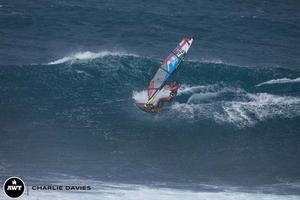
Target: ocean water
[(70, 72)]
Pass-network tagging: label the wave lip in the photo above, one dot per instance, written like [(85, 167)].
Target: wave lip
[(88, 55), (279, 81)]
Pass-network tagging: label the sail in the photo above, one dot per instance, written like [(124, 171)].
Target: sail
[(169, 65)]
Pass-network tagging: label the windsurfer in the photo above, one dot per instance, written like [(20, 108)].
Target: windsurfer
[(158, 91)]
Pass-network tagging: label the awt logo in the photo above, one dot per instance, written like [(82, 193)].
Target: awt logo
[(14, 187)]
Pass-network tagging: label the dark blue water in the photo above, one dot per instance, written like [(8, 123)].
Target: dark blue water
[(70, 72)]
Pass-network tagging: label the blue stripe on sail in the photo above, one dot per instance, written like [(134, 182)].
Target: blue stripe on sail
[(173, 65)]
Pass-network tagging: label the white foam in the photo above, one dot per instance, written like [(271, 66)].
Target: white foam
[(235, 114), (88, 55), (229, 105), (185, 110), (140, 97), (107, 191), (202, 96), (280, 81), (187, 89), (207, 61), (83, 73), (234, 105), (260, 107)]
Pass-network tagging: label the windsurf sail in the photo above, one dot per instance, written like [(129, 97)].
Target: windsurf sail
[(168, 67)]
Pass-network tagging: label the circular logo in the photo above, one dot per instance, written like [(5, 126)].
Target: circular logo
[(14, 187)]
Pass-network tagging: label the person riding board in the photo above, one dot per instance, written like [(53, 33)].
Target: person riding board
[(157, 85), (173, 92)]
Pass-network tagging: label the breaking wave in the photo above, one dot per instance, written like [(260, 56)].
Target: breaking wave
[(259, 107), (219, 98), (234, 105), (88, 55), (280, 81)]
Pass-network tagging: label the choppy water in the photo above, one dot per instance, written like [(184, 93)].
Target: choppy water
[(70, 72)]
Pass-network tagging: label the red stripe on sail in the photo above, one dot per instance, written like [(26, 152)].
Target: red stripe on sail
[(182, 43)]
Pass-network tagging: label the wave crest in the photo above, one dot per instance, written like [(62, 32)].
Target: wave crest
[(279, 81), (88, 55)]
